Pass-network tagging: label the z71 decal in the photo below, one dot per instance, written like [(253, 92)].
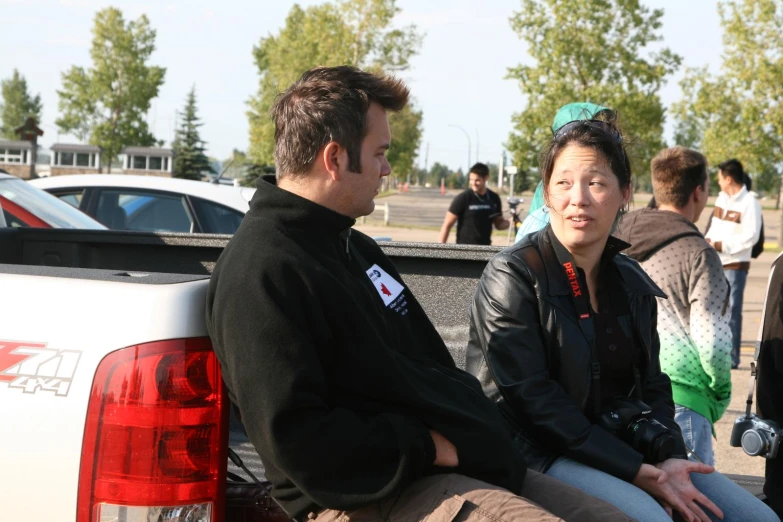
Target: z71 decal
[(32, 367)]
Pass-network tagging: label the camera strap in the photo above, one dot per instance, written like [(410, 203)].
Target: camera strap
[(583, 311)]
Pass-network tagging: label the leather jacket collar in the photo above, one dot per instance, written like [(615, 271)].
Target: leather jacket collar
[(635, 282)]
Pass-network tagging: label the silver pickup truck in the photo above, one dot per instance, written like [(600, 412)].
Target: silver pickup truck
[(111, 398)]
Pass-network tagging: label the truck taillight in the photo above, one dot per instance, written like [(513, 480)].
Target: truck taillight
[(156, 436)]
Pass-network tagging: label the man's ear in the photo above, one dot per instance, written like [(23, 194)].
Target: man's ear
[(699, 193), (334, 157)]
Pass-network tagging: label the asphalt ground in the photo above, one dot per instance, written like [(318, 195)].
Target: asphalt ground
[(416, 215)]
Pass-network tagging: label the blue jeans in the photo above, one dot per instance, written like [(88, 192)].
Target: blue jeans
[(697, 432), (737, 504), (736, 279)]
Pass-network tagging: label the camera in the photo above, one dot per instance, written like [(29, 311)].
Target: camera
[(758, 437), (631, 421), (513, 203)]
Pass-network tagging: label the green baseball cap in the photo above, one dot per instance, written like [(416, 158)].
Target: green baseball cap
[(577, 111)]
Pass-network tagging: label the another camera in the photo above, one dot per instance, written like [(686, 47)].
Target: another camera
[(758, 437), (631, 421)]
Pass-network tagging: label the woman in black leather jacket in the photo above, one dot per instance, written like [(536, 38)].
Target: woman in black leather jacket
[(598, 415)]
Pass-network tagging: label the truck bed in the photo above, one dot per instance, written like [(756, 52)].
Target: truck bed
[(443, 278)]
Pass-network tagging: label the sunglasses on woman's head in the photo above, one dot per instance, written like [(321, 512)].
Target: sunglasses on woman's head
[(600, 125)]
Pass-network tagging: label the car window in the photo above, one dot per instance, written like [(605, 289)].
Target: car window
[(11, 220), (72, 198), (216, 218), (143, 211)]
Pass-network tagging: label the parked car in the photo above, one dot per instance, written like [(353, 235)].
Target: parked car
[(26, 206), (152, 204)]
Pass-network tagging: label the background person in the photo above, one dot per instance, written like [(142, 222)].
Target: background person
[(475, 210), (563, 336), (735, 228), (693, 320), (344, 386)]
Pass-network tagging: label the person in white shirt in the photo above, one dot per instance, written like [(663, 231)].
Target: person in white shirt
[(735, 228)]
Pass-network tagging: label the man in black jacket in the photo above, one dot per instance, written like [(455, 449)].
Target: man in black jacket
[(343, 384)]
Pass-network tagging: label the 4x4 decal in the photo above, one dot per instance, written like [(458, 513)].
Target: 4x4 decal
[(33, 367)]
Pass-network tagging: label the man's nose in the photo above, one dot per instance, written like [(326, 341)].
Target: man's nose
[(385, 169)]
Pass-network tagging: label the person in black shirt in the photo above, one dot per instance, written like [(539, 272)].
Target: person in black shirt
[(475, 210)]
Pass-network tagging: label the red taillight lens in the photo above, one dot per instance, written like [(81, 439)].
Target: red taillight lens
[(156, 435)]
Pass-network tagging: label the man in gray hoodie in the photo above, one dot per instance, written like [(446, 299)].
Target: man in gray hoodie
[(693, 321)]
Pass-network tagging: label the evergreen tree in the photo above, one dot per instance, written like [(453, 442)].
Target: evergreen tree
[(16, 105), (189, 158)]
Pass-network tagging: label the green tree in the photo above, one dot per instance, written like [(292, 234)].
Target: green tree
[(590, 50), (189, 158), (406, 135), (16, 105), (106, 105), (738, 113), (341, 32), (437, 172)]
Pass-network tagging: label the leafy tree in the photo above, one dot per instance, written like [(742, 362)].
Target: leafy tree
[(189, 158), (16, 105), (406, 135), (590, 50), (738, 113), (107, 103), (437, 172), (341, 32)]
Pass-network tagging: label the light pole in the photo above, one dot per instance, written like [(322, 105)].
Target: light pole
[(469, 145)]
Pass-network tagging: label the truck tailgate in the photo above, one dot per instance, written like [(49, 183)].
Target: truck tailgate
[(55, 328)]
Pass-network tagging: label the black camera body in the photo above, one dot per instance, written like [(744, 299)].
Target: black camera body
[(631, 421), (758, 437)]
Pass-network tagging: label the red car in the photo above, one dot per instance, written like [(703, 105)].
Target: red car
[(26, 206)]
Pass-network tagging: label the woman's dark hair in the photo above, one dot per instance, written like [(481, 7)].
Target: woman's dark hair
[(733, 169), (604, 137)]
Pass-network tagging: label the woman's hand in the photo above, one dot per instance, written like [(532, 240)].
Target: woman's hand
[(654, 481), (679, 472)]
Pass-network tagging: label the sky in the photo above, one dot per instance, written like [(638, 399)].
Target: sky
[(457, 79)]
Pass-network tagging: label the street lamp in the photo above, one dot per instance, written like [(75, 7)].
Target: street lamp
[(469, 145)]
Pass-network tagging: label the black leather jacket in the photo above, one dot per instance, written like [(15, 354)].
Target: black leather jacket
[(531, 357)]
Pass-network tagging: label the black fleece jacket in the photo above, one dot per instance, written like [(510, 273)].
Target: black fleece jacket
[(337, 371)]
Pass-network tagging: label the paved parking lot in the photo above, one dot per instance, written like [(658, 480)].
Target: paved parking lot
[(418, 214)]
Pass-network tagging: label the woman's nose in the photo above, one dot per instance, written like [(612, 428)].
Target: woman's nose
[(580, 195)]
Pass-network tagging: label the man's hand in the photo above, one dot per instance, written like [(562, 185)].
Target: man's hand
[(679, 472), (445, 451)]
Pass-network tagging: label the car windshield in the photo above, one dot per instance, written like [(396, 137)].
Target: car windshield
[(34, 207)]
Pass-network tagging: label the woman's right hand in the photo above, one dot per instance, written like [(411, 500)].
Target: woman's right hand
[(655, 482)]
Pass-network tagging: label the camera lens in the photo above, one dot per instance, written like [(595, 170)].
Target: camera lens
[(653, 440), (753, 443)]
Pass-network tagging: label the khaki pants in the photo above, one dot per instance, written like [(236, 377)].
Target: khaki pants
[(456, 498)]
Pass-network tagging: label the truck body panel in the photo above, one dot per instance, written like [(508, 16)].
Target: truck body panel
[(54, 332)]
